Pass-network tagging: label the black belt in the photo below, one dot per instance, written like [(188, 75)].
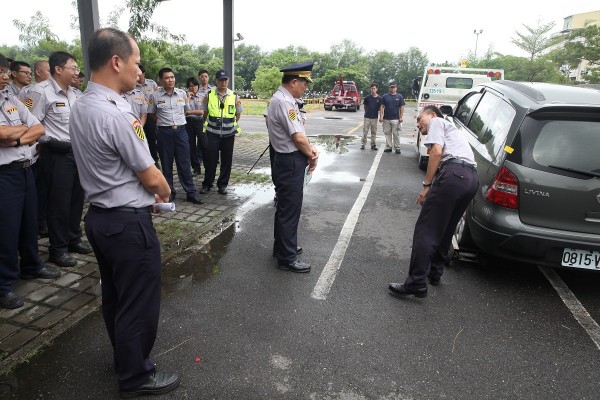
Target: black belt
[(142, 210), (293, 153), (459, 162), (172, 127), (58, 147), (16, 165)]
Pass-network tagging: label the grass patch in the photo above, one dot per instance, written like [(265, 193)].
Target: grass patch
[(174, 233), (258, 106), (242, 177)]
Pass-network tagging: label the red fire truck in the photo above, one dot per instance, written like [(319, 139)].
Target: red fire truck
[(344, 95)]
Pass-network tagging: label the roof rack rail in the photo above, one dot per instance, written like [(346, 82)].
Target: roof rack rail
[(526, 90)]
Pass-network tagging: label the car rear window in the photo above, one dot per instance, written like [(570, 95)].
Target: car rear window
[(570, 144), (564, 143), (459, 83)]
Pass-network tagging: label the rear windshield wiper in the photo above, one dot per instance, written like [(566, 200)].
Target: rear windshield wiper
[(579, 171)]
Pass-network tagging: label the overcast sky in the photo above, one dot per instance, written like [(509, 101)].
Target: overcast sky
[(442, 30)]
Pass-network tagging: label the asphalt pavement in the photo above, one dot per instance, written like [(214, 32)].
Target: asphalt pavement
[(236, 327)]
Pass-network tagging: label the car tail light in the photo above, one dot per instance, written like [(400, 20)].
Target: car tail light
[(504, 191)]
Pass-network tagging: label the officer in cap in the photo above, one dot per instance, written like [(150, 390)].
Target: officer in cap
[(122, 185), (293, 155)]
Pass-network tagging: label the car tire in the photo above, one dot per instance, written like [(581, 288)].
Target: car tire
[(422, 162), (463, 234)]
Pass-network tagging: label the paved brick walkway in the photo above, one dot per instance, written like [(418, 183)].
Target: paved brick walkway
[(51, 307)]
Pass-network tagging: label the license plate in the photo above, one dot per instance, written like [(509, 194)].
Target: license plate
[(435, 91), (587, 259)]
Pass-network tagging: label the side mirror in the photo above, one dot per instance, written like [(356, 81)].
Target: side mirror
[(446, 110)]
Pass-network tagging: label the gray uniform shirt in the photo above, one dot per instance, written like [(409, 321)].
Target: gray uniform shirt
[(284, 121), (454, 144), (110, 147), (13, 89), (14, 113), (148, 87), (52, 106), (169, 109), (137, 100)]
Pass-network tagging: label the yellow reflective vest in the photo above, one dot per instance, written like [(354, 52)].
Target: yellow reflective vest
[(221, 114)]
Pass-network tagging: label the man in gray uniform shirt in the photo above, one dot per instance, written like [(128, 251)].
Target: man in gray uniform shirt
[(138, 103), (122, 184), (51, 104), (19, 130), (167, 106)]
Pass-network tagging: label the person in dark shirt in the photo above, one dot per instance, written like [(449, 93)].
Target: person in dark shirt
[(372, 104), (391, 114)]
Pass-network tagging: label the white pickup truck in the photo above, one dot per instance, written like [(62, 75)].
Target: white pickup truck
[(445, 86)]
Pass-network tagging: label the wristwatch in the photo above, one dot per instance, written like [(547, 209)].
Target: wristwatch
[(426, 184), (18, 142)]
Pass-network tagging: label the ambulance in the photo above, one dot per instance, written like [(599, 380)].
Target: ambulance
[(445, 86)]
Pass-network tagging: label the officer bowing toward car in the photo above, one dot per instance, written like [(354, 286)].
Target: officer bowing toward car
[(294, 156)]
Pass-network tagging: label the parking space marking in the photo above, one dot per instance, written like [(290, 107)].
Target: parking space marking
[(355, 128), (577, 309), (321, 289)]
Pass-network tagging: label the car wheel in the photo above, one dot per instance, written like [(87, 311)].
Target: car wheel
[(463, 234), (422, 162)]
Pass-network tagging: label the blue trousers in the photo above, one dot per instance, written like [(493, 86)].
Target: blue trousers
[(18, 229), (218, 147), (174, 144), (288, 177), (453, 188), (128, 253)]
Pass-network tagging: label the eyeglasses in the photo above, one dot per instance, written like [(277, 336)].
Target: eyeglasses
[(28, 73), (74, 69), (4, 72)]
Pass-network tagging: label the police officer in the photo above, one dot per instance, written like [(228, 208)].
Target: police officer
[(51, 103), (122, 184), (450, 184), (138, 103), (19, 130), (167, 106), (194, 123), (148, 86), (222, 110), (21, 77), (292, 154)]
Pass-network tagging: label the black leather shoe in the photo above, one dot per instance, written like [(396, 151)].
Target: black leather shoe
[(10, 300), (434, 282), (298, 252), (44, 273), (401, 290), (80, 248), (387, 151), (204, 190), (63, 260), (43, 231), (374, 148), (295, 266), (158, 383), (195, 199), (398, 151), (222, 190), (362, 147)]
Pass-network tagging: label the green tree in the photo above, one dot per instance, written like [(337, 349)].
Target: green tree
[(247, 60), (578, 45), (536, 40), (36, 30), (267, 81)]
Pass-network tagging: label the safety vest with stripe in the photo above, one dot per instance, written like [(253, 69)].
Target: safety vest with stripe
[(221, 115)]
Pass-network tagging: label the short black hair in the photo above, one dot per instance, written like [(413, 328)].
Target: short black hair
[(4, 62), (433, 109), (16, 65), (203, 71), (81, 75), (374, 84), (108, 42), (192, 80), (141, 67), (163, 71), (59, 59)]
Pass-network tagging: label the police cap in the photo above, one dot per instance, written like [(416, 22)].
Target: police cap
[(222, 74), (301, 70)]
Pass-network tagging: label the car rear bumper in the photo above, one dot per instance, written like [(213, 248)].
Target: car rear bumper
[(502, 234)]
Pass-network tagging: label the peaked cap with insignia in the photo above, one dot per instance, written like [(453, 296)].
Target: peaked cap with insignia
[(300, 70)]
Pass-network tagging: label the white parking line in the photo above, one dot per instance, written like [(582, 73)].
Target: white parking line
[(332, 267), (577, 309)]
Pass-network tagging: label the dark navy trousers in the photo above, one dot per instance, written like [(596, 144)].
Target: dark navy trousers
[(18, 229), (65, 199), (196, 139), (217, 147), (128, 253), (288, 177), (150, 131), (174, 143), (453, 188)]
